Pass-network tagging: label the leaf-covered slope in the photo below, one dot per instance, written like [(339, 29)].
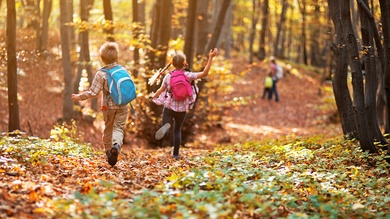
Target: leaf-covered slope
[(293, 178)]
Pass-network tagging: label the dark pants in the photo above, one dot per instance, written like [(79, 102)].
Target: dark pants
[(274, 91), (177, 119), (266, 92)]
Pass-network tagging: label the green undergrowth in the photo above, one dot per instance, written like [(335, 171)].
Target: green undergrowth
[(33, 150), (292, 178)]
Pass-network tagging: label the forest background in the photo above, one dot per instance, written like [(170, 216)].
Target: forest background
[(49, 51)]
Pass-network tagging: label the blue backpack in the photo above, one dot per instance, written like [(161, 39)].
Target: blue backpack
[(120, 85)]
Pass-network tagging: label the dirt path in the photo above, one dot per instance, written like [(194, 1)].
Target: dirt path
[(301, 111)]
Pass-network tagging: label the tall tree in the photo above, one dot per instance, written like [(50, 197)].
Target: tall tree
[(263, 30), (369, 62), (315, 54), (385, 13), (67, 104), (202, 27), (44, 30), (339, 80), (84, 55), (366, 142), (278, 40), (190, 33), (302, 6), (109, 19), (165, 30), (218, 26), (253, 29), (13, 106)]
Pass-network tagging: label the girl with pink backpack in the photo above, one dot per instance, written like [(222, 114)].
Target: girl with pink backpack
[(176, 97)]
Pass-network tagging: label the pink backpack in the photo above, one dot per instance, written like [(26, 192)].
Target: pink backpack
[(180, 86)]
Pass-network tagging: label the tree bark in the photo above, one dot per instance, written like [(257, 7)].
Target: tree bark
[(370, 72), (67, 104), (13, 106), (218, 26), (302, 7), (109, 18), (136, 35), (357, 79), (385, 12), (202, 27), (190, 33), (340, 85)]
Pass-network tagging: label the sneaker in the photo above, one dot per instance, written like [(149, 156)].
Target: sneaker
[(175, 157), (162, 131), (113, 154)]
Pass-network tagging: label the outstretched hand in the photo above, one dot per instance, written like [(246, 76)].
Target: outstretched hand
[(213, 52), (75, 97)]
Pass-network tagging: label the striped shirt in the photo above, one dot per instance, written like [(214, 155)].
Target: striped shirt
[(99, 83), (178, 106)]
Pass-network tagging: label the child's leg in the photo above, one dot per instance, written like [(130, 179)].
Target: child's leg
[(108, 127), (119, 126), (179, 120), (167, 118)]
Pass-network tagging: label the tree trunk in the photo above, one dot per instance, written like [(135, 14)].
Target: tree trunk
[(218, 26), (42, 43), (109, 18), (385, 12), (279, 29), (164, 30), (136, 30), (253, 30), (340, 85), (202, 27), (315, 53), (84, 56), (263, 31), (13, 106), (370, 72), (67, 104), (190, 33), (302, 7), (357, 80), (228, 30)]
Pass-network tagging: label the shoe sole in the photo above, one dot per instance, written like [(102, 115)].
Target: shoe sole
[(114, 156), (162, 131)]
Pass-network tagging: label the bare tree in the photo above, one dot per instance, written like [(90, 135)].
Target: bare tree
[(13, 106)]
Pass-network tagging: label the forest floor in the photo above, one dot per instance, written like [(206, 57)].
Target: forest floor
[(302, 111)]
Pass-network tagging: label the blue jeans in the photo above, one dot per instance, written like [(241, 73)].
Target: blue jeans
[(274, 91), (177, 118)]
